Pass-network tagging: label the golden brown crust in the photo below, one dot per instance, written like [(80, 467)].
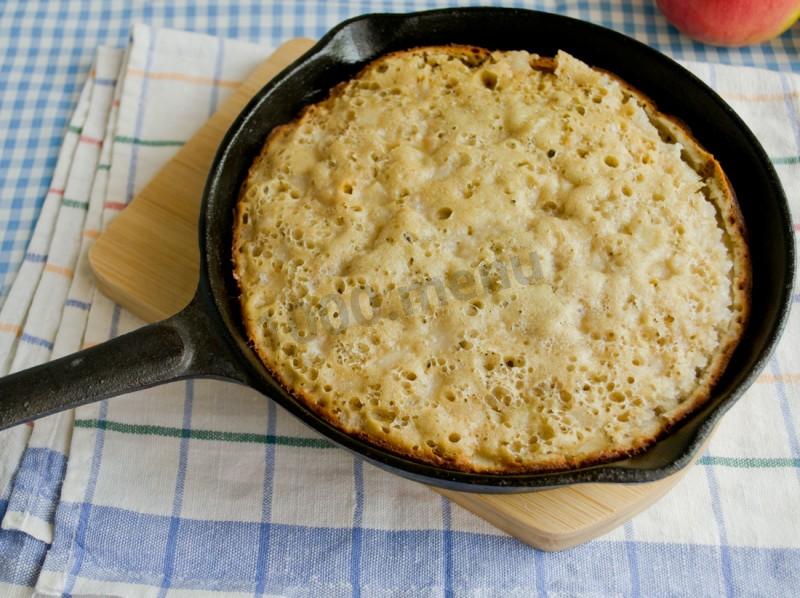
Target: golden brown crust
[(729, 218)]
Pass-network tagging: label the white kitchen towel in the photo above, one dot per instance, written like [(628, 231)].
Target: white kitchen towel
[(59, 270), (206, 488), (15, 308), (17, 550), (61, 302)]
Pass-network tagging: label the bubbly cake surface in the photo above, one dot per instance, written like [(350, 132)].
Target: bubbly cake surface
[(491, 261)]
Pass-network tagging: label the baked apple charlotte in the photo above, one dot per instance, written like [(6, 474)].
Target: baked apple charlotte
[(491, 261)]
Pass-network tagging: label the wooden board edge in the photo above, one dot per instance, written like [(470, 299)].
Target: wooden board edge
[(550, 541)]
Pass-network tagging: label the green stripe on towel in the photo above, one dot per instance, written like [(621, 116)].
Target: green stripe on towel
[(144, 430), (148, 142)]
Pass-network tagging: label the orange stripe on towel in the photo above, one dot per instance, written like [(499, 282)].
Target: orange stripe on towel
[(769, 378), (166, 76), (59, 270), (12, 328), (759, 97), (90, 140)]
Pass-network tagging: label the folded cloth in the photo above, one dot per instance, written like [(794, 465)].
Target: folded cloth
[(204, 487), (60, 304), (15, 308), (32, 480)]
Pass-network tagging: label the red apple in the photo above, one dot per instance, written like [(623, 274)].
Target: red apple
[(731, 22)]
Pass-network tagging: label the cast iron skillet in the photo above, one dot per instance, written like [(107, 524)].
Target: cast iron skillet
[(206, 339)]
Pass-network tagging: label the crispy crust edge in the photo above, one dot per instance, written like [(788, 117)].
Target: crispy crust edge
[(729, 216)]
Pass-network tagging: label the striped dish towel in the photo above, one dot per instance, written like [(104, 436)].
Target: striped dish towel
[(201, 488), (15, 308), (57, 312), (43, 290)]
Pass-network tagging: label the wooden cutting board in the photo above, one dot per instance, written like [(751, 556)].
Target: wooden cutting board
[(147, 261)]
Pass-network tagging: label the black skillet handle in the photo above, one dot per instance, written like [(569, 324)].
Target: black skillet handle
[(183, 346)]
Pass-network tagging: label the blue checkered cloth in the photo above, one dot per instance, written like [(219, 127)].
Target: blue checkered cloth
[(282, 544)]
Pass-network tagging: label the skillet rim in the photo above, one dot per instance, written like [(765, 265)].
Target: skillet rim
[(214, 285)]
